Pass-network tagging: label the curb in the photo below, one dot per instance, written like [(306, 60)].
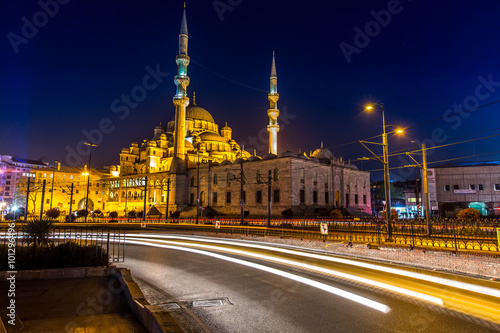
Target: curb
[(154, 318)]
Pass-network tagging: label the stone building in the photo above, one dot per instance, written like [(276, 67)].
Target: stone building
[(193, 163)]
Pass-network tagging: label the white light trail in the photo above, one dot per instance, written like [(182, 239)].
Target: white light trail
[(419, 276), (336, 291)]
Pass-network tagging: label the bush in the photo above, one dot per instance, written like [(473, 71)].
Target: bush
[(53, 213), (9, 217), (97, 213), (37, 232), (113, 214), (336, 214), (70, 218), (175, 215), (468, 215), (82, 213), (139, 214), (132, 214), (394, 214), (210, 215), (287, 213), (246, 213)]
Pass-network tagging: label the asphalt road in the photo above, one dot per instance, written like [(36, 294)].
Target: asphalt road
[(207, 293)]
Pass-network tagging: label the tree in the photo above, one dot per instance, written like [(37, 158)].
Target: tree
[(394, 214), (53, 213), (82, 213), (468, 215), (336, 214), (132, 214), (113, 214)]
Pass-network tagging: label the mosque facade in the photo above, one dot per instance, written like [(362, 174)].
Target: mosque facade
[(198, 167)]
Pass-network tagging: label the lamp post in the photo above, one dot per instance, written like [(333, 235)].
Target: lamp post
[(88, 179), (387, 180)]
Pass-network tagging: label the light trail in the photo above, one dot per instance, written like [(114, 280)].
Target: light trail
[(419, 276), (373, 283), (336, 291)]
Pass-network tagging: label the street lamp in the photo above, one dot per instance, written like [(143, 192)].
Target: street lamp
[(88, 179), (387, 180)]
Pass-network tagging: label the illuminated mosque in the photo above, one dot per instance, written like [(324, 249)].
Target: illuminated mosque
[(197, 166)]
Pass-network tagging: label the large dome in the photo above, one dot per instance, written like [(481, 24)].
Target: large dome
[(322, 153), (209, 136), (197, 113)]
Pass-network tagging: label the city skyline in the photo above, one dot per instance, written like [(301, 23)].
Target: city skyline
[(69, 78)]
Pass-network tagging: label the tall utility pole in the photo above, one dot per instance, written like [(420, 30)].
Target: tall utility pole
[(198, 188), (88, 179), (43, 198), (269, 199), (27, 200), (417, 197), (387, 179), (71, 203), (242, 199), (53, 181), (145, 197), (168, 193), (426, 191)]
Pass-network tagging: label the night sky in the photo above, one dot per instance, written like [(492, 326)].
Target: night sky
[(423, 59)]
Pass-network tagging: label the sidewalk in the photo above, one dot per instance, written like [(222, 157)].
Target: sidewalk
[(93, 304)]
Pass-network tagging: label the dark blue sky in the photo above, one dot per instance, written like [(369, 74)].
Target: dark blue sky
[(421, 62)]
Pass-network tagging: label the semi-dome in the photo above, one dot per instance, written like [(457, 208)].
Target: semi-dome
[(254, 158), (209, 136), (226, 162)]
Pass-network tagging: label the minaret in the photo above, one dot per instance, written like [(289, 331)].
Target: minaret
[(273, 112), (181, 100)]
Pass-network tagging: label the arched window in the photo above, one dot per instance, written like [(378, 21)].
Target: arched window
[(259, 176), (302, 176), (276, 174), (326, 181), (215, 179), (315, 178), (228, 178), (192, 181)]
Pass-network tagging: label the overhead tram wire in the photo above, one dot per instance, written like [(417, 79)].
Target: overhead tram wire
[(419, 124), (226, 78), (441, 161)]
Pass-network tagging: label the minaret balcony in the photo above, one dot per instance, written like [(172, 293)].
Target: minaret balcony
[(273, 113), (273, 97), (182, 59)]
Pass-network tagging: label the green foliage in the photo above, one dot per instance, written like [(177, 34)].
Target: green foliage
[(336, 214), (37, 232), (394, 214), (287, 213), (468, 215), (82, 213), (53, 213), (113, 214)]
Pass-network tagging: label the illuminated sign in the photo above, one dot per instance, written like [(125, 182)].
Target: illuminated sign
[(464, 191)]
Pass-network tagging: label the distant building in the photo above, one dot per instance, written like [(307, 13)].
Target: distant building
[(453, 187)]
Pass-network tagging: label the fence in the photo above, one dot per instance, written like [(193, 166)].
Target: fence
[(64, 247)]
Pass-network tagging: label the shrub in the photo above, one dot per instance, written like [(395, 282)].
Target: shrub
[(132, 214), (97, 213), (139, 214), (246, 213), (82, 213), (468, 215), (113, 214), (175, 215), (53, 213), (336, 214), (287, 213), (70, 218), (210, 215), (394, 214), (9, 217), (37, 232)]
